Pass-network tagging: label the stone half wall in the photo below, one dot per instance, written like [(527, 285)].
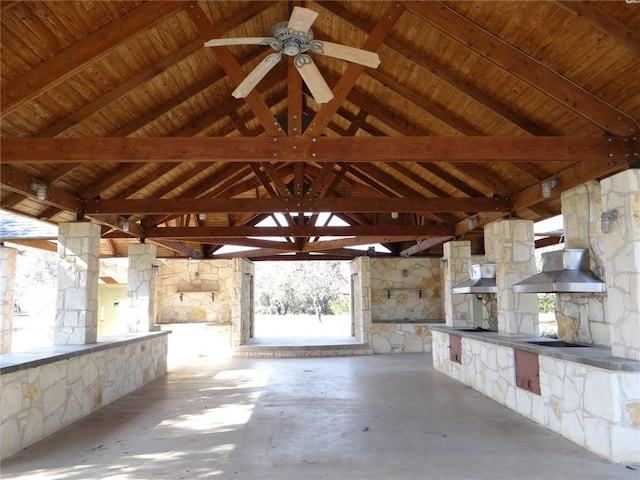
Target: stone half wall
[(401, 338), (595, 408), (43, 399), (406, 289)]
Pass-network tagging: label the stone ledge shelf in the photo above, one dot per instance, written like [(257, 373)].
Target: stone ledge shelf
[(48, 388), (585, 394)]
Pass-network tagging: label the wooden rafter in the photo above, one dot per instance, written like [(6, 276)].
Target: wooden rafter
[(233, 69), (73, 58), (353, 71), (526, 68)]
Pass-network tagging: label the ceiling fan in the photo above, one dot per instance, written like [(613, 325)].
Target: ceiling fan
[(295, 38)]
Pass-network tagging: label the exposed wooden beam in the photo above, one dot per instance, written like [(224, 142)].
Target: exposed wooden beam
[(20, 182), (294, 205), (120, 90), (78, 55), (526, 68), (233, 69), (178, 247), (319, 149), (353, 71), (434, 69), (352, 242), (387, 231), (606, 23), (424, 244)]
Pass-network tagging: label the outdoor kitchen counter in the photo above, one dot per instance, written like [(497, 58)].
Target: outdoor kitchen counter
[(595, 356)]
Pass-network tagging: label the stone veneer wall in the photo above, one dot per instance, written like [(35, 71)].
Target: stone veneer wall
[(595, 408), (193, 291), (77, 283), (361, 298), (621, 192), (510, 244), (458, 309), (141, 287), (581, 317), (215, 293), (405, 289), (41, 400), (7, 290), (401, 337)]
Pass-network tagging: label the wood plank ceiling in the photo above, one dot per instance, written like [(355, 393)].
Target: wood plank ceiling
[(128, 120)]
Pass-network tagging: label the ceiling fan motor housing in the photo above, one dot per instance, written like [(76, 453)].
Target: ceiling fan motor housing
[(290, 42)]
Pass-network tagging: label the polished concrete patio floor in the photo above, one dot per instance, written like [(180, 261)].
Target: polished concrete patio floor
[(365, 417)]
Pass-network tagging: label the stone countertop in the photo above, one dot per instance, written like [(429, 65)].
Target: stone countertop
[(595, 356), (405, 320), (11, 362)]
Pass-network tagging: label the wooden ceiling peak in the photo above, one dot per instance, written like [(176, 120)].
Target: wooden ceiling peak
[(121, 112)]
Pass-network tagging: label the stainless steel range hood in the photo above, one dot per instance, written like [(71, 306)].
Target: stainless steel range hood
[(563, 271), (482, 279)]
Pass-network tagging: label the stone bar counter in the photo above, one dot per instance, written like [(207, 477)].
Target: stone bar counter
[(45, 389), (581, 392)]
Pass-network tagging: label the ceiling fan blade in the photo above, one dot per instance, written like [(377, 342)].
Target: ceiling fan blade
[(313, 79), (256, 75), (301, 19), (221, 42), (356, 55)]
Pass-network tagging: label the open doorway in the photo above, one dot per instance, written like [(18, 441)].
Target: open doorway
[(302, 299)]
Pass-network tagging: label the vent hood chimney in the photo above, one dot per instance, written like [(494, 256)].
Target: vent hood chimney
[(563, 271), (482, 279)]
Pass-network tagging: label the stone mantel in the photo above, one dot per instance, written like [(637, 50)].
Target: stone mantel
[(36, 357), (599, 357)]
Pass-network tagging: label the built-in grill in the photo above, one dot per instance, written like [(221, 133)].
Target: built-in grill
[(563, 271), (482, 279)]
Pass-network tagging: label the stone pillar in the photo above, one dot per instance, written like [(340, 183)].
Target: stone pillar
[(361, 299), (510, 245), (242, 301), (141, 288), (580, 316), (77, 282), (621, 192), (458, 308), (7, 289)]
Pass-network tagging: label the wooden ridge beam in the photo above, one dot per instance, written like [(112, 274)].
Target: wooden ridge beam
[(319, 149), (387, 231), (154, 206)]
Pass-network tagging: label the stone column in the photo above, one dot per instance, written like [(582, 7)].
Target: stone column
[(141, 287), (7, 289), (77, 282), (621, 192), (458, 308), (361, 299), (242, 299), (580, 316), (510, 245)]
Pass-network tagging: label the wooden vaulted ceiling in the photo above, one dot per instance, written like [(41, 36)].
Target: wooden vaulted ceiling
[(123, 114)]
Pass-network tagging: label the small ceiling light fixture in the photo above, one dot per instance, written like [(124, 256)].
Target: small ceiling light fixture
[(472, 222), (40, 189), (202, 217), (606, 219), (124, 224), (394, 215), (547, 186)]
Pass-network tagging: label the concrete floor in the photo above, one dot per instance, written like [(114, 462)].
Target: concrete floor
[(367, 417)]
